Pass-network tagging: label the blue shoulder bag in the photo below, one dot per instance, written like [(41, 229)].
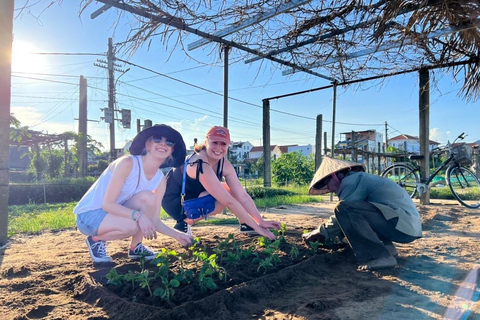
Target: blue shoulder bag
[(198, 207)]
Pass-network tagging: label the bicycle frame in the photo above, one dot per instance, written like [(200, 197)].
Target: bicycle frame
[(422, 186)]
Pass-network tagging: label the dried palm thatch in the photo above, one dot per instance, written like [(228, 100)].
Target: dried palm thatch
[(344, 39)]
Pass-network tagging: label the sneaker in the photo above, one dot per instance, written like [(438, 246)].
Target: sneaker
[(98, 250), (245, 228), (142, 251), (184, 227)]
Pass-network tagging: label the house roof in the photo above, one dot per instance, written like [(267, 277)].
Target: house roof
[(260, 148), (409, 137)]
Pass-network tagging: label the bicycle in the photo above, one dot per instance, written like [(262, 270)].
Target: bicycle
[(463, 183)]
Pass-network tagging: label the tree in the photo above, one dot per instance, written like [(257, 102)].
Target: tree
[(293, 168)]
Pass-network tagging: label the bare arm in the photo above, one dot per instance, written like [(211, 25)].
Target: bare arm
[(161, 227), (239, 193), (210, 182)]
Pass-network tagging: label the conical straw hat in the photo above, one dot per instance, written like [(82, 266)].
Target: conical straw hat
[(329, 166)]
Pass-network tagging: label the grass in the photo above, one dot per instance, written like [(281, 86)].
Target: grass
[(35, 218)]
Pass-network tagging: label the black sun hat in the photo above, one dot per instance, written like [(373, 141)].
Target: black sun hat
[(160, 130), (327, 167)]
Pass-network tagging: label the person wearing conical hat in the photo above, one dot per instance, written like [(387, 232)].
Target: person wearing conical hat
[(126, 199), (373, 212)]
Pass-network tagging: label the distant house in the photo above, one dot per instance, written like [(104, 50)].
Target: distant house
[(409, 143), (241, 150), (368, 140), (303, 150), (257, 152)]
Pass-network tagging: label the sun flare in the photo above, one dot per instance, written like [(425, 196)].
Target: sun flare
[(25, 58)]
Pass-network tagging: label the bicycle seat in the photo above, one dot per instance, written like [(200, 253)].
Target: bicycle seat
[(416, 157)]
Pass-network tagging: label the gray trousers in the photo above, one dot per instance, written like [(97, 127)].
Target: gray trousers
[(366, 229)]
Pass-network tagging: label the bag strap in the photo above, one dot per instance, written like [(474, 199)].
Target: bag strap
[(139, 172), (184, 180)]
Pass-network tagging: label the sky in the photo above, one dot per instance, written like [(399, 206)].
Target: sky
[(188, 95)]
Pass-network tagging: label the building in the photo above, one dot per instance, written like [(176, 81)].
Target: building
[(408, 143), (368, 140), (240, 150)]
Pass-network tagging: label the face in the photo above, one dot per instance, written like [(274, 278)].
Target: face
[(161, 147), (216, 149), (332, 184)]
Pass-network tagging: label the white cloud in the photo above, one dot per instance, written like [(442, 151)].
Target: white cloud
[(436, 134), (29, 116)]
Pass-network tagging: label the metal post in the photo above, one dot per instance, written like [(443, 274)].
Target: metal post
[(225, 86), (318, 142), (267, 174)]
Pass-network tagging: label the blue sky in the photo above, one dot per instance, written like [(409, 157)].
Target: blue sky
[(45, 88)]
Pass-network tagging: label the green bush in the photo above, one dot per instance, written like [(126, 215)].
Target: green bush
[(55, 191), (262, 192)]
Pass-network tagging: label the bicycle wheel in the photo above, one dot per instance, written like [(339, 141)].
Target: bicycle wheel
[(403, 175), (464, 185)]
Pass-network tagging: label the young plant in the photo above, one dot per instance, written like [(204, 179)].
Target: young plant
[(143, 278), (294, 253), (114, 278), (167, 292), (130, 277), (265, 264)]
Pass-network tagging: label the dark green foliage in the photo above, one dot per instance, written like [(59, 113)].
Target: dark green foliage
[(261, 192), (55, 191), (293, 168)]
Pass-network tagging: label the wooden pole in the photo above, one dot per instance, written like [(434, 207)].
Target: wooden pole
[(424, 125), (6, 39)]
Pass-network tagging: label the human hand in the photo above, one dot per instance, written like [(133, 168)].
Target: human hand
[(184, 239), (266, 233), (313, 236), (147, 227), (270, 224)]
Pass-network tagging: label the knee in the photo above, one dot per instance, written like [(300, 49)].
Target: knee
[(130, 229), (146, 198)]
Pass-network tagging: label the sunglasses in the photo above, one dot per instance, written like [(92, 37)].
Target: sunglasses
[(164, 140)]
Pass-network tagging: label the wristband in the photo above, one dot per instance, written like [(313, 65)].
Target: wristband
[(132, 215), (139, 215)]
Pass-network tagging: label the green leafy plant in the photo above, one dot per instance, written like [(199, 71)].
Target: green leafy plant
[(167, 292), (294, 253), (114, 278), (143, 278)]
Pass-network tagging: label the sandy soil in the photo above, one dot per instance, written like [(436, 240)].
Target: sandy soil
[(51, 276)]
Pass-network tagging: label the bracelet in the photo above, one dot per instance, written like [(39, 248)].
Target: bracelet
[(133, 214), (139, 215)]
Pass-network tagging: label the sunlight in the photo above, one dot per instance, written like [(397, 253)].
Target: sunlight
[(25, 60)]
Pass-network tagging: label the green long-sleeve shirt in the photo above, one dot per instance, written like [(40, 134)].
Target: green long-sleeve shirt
[(384, 194)]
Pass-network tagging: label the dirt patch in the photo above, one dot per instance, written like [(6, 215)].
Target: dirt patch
[(50, 276)]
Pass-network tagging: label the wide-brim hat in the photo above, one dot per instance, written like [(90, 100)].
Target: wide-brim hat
[(161, 130), (330, 165)]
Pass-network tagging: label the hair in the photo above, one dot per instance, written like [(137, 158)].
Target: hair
[(200, 146), (144, 150)]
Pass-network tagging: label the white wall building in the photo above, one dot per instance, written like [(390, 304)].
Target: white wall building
[(409, 143)]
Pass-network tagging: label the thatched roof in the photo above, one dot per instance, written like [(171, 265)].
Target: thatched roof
[(344, 40)]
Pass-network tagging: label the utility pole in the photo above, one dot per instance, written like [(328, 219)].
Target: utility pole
[(82, 127), (386, 135), (6, 39), (111, 97), (109, 113)]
